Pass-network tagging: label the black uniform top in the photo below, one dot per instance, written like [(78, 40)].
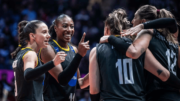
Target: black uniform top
[(53, 91), (167, 54), (31, 90), (121, 77)]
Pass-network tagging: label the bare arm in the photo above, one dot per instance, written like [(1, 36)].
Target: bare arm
[(84, 82), (48, 54), (139, 45), (134, 50), (94, 78), (154, 67), (30, 60)]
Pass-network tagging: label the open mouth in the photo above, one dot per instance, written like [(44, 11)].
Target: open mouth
[(67, 36), (46, 42)]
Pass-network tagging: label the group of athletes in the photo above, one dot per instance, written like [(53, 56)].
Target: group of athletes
[(129, 64)]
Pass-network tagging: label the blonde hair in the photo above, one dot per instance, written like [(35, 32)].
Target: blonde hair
[(169, 36), (117, 21)]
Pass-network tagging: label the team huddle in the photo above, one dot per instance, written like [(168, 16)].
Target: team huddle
[(138, 63)]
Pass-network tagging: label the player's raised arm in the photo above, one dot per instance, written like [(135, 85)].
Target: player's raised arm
[(65, 76)]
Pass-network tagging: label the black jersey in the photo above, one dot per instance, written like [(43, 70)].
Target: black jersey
[(53, 91), (121, 77), (31, 90), (166, 53)]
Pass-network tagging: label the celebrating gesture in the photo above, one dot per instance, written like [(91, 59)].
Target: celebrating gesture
[(83, 46)]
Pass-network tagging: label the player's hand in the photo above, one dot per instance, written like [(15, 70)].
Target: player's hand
[(104, 39), (59, 58), (134, 30), (83, 46)]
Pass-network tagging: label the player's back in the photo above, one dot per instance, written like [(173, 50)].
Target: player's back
[(121, 77), (167, 54)]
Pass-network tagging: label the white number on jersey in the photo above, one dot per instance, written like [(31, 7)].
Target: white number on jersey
[(123, 68), (14, 65), (171, 54), (72, 96)]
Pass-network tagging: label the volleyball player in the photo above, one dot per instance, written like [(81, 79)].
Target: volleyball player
[(114, 76), (61, 81), (28, 71), (164, 47)]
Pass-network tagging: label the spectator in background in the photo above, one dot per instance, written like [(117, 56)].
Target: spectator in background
[(30, 13), (6, 86)]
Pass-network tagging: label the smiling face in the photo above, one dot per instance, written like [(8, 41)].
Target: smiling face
[(64, 29), (42, 35)]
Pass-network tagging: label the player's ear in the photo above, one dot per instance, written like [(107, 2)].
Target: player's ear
[(105, 30), (108, 31), (55, 28), (31, 36), (143, 20)]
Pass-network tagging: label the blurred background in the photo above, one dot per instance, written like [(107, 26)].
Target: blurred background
[(88, 16)]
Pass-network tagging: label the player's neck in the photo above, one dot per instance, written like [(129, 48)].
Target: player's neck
[(62, 43), (33, 46)]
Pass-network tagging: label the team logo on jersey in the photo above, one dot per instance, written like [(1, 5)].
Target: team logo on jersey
[(73, 80), (72, 49), (56, 49)]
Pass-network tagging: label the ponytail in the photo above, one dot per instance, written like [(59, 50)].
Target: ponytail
[(24, 29), (150, 12), (163, 13), (14, 53), (22, 42)]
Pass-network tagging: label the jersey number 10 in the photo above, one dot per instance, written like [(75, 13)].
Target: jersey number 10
[(125, 71)]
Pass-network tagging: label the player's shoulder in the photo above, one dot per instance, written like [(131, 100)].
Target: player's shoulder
[(30, 54), (94, 49), (75, 49), (47, 54), (48, 50), (100, 45)]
